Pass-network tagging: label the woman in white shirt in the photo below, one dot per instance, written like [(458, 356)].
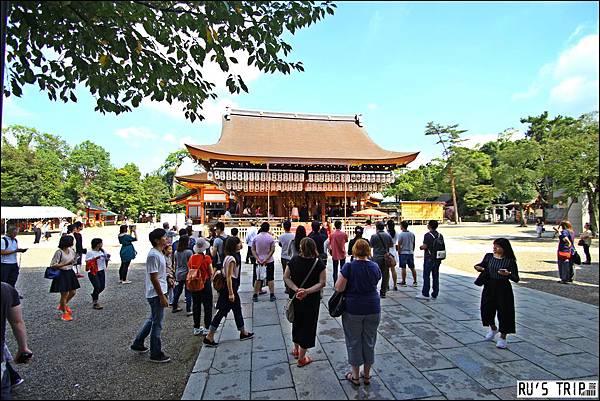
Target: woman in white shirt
[(96, 261), (66, 283)]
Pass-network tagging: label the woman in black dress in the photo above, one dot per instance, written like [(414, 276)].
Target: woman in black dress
[(305, 276), (497, 296)]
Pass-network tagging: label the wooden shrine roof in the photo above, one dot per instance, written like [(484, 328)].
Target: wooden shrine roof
[(199, 178), (288, 138)]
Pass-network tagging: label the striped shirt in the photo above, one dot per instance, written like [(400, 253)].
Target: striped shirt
[(493, 264)]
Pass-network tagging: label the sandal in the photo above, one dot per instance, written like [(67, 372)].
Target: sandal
[(304, 361), (366, 380), (295, 353), (351, 379)]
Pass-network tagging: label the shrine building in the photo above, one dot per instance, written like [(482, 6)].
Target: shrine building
[(288, 165)]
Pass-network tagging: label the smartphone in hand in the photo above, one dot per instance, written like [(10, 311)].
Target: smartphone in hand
[(24, 357)]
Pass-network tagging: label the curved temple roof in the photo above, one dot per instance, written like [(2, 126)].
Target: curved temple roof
[(261, 137)]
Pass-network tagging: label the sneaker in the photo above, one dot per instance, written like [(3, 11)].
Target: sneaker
[(262, 292), (421, 296), (126, 282), (204, 331), (188, 314), (162, 358), (175, 310), (491, 335), (382, 295), (254, 298), (17, 382), (66, 317), (246, 336), (139, 350), (434, 298), (501, 343), (210, 344), (197, 332), (98, 307), (273, 298), (403, 284), (395, 288), (415, 284)]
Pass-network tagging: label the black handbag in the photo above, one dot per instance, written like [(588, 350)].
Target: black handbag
[(51, 273), (337, 302), (576, 258), (481, 279)]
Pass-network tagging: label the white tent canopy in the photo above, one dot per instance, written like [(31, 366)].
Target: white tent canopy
[(34, 212)]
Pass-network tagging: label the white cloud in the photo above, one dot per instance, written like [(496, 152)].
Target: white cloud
[(571, 81), (170, 138), (211, 110), (135, 133), (186, 140)]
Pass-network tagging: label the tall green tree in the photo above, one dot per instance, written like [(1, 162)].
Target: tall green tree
[(421, 183), (169, 168), (125, 192), (518, 172), (34, 169), (449, 137), (90, 173), (571, 160), (125, 51)]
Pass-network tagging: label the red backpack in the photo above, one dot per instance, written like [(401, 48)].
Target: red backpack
[(195, 278)]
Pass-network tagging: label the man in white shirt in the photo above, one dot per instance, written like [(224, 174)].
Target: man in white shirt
[(9, 267), (156, 290), (284, 242), (369, 230), (252, 232)]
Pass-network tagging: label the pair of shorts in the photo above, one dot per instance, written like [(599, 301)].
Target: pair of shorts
[(407, 259), (266, 272)]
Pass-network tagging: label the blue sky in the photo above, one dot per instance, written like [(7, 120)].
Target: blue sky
[(401, 65)]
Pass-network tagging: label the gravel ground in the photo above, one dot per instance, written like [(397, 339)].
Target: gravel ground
[(89, 358)]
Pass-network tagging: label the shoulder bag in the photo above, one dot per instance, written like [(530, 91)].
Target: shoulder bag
[(289, 308), (337, 302), (51, 272), (390, 260)]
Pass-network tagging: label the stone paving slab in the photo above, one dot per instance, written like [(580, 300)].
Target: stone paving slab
[(425, 349), (317, 381), (228, 386), (486, 373), (455, 384), (375, 391), (271, 377), (281, 394)]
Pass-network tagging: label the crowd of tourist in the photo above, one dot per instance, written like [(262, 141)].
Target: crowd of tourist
[(185, 263)]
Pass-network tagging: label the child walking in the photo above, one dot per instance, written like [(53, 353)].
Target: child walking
[(96, 261), (198, 283)]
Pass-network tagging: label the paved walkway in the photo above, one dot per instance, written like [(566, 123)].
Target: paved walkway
[(425, 349)]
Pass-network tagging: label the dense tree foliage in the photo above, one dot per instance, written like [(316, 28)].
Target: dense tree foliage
[(559, 153), (126, 51), (42, 169)]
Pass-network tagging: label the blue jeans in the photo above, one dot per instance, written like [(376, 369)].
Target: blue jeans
[(152, 327), (177, 290), (431, 267)]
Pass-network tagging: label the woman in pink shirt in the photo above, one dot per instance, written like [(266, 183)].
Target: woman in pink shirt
[(337, 242)]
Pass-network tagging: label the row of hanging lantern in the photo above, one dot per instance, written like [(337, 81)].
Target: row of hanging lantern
[(339, 187), (260, 186), (251, 186), (264, 176), (387, 178)]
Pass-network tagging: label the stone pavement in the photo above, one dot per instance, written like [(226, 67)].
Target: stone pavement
[(425, 349)]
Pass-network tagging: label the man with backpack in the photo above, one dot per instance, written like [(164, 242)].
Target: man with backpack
[(218, 248), (9, 267), (434, 252)]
